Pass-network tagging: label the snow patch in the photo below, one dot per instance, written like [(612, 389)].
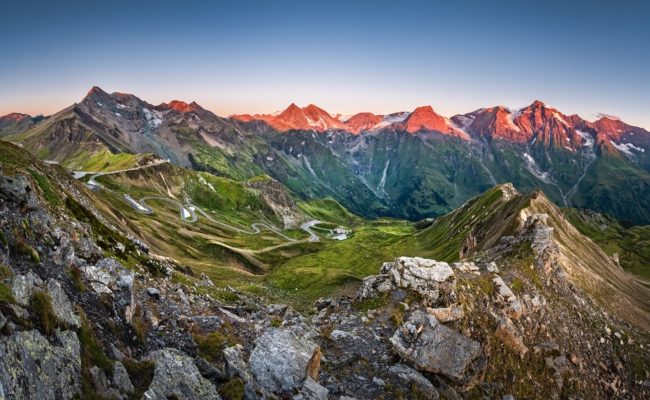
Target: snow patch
[(558, 117), (464, 121), (511, 120), (154, 118), (534, 169), (628, 147), (392, 119), (588, 139)]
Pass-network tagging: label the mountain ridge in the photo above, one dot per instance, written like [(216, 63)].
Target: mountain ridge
[(406, 165)]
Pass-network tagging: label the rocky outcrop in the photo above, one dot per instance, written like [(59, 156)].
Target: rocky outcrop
[(281, 359), (411, 377), (430, 346), (176, 375), (33, 368), (427, 277)]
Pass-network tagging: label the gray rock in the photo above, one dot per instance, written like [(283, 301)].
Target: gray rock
[(3, 320), (61, 305), (32, 368), (154, 293), (125, 281), (430, 346), (23, 287), (98, 378), (420, 274), (514, 308), (175, 374), (373, 285), (64, 254), (17, 189), (121, 380), (378, 382), (312, 390), (235, 364), (87, 249), (492, 267), (280, 359), (410, 377), (107, 276), (465, 266)]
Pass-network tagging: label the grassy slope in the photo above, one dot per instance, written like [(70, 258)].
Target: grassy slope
[(631, 244)]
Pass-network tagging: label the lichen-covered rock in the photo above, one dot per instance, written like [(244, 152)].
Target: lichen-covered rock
[(430, 346), (281, 359), (312, 390), (413, 378), (419, 274), (121, 380), (23, 287), (373, 285), (32, 368), (107, 276), (18, 190), (176, 375), (61, 305)]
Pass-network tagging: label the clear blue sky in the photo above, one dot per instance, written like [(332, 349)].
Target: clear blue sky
[(583, 57)]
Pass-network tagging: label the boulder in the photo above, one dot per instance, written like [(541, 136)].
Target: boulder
[(121, 380), (425, 276), (153, 293), (176, 375), (282, 359), (61, 305), (430, 346), (412, 378), (108, 275), (23, 287), (373, 285), (312, 390), (514, 308), (17, 190), (32, 368)]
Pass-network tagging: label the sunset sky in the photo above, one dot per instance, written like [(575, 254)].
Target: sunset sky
[(584, 57)]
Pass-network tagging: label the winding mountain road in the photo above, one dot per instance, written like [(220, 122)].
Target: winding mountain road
[(188, 212)]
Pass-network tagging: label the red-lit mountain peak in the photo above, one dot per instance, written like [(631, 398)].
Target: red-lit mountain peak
[(181, 106), (360, 122), (424, 118)]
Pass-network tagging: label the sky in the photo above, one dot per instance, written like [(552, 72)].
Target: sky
[(584, 57)]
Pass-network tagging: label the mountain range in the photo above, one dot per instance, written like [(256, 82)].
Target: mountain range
[(411, 165), (162, 251)]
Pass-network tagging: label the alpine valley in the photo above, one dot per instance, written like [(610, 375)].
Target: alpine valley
[(164, 252)]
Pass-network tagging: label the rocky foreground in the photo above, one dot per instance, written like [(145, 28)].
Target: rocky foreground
[(87, 312)]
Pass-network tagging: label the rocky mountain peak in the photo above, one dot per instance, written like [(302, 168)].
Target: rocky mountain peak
[(364, 121), (425, 118), (181, 106)]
